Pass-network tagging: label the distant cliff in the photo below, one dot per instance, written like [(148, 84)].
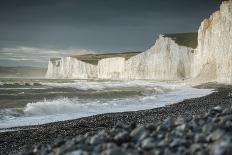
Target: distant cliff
[(204, 56), (70, 68)]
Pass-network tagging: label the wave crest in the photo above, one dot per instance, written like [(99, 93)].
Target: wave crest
[(46, 107)]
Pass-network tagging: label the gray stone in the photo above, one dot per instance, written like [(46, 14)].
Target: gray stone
[(143, 135), (207, 129), (182, 127), (111, 146), (199, 138), (117, 151), (223, 147), (179, 121), (195, 148), (177, 142), (137, 132), (78, 152), (148, 143), (122, 137), (216, 135), (96, 139), (168, 123), (217, 109)]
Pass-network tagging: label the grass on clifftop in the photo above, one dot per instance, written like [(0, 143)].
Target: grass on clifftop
[(94, 58), (184, 39)]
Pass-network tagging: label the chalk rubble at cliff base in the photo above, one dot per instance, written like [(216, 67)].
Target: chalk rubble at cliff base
[(166, 60)]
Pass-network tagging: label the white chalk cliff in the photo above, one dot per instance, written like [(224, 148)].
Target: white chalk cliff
[(70, 68), (213, 56), (111, 68), (166, 60)]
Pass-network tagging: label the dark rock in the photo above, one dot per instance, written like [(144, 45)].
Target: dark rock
[(207, 129), (117, 151), (217, 109), (177, 142), (148, 144), (179, 121), (121, 125), (111, 146), (168, 123), (223, 147), (181, 151), (78, 152), (216, 135), (195, 148), (96, 139), (128, 146), (167, 151), (182, 127), (137, 133), (150, 127), (199, 138), (122, 137)]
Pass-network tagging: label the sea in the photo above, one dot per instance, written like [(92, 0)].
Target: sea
[(26, 102)]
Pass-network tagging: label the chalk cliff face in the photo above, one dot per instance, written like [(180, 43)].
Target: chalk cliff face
[(166, 60), (111, 68), (213, 56), (72, 68)]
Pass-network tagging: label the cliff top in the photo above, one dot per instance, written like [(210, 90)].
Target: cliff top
[(184, 39), (94, 58)]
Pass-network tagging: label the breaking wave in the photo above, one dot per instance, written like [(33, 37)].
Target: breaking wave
[(138, 95)]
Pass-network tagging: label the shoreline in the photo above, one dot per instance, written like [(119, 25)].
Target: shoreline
[(27, 137)]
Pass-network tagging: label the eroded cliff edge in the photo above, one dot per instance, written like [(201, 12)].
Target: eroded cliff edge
[(213, 56), (173, 57)]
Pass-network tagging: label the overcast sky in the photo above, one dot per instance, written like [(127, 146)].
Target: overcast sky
[(31, 31)]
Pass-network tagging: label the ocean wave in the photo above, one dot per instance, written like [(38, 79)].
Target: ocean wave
[(11, 113), (98, 106), (102, 85), (139, 95), (48, 107)]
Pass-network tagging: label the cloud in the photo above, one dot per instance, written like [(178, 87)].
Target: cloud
[(37, 55)]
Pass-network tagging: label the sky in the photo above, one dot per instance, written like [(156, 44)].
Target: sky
[(32, 31)]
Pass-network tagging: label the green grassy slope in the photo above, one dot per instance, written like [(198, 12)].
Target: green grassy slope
[(184, 39)]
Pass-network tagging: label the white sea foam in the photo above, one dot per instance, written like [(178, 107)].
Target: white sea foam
[(65, 108), (101, 85)]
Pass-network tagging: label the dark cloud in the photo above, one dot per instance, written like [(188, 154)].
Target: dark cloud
[(100, 25)]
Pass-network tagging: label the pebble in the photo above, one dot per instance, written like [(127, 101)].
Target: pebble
[(137, 133), (148, 143), (208, 134), (122, 137)]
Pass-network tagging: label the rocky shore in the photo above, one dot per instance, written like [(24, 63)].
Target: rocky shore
[(194, 126)]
